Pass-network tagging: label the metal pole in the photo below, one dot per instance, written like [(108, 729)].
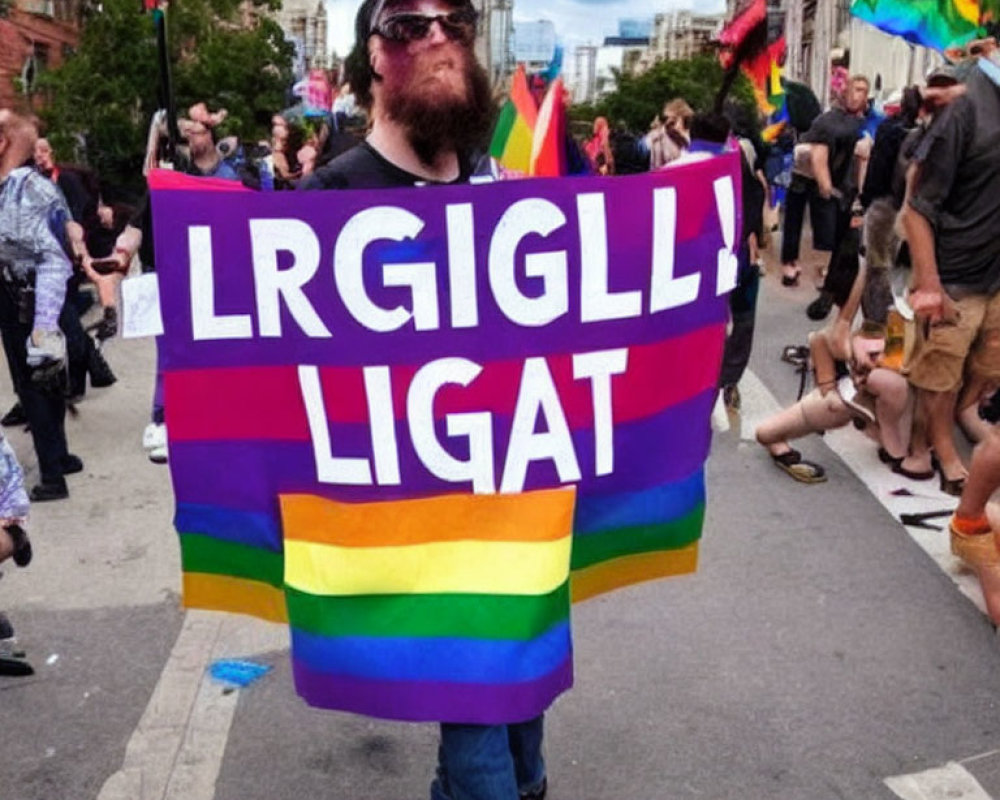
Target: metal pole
[(166, 89)]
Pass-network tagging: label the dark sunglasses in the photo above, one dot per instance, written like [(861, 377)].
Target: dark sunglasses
[(459, 26)]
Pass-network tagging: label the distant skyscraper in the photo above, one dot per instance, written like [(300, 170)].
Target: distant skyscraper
[(585, 74), (534, 43), (500, 61), (635, 28)]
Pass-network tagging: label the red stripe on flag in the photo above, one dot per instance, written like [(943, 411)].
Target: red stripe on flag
[(265, 403)]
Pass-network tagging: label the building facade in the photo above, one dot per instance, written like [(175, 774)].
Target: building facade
[(681, 35), (822, 32), (304, 23), (35, 35), (584, 86)]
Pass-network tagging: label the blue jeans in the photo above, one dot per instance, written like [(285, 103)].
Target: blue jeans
[(489, 762)]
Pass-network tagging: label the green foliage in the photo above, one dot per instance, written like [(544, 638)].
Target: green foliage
[(639, 98), (106, 93)]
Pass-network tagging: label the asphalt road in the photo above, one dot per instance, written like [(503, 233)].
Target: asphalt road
[(818, 651)]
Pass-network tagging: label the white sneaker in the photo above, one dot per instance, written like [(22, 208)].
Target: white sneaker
[(154, 436), (158, 455)]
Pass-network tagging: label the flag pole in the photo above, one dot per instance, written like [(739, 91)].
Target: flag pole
[(165, 87)]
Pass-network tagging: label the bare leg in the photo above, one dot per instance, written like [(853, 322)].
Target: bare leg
[(984, 477), (919, 459), (814, 413), (973, 391), (893, 410), (971, 539), (940, 408)]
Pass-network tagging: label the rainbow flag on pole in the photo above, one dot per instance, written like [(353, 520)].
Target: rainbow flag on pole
[(937, 24), (414, 461)]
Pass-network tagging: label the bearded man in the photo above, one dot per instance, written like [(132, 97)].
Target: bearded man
[(428, 100), (429, 105)]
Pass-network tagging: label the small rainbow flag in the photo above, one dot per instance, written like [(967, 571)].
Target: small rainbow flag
[(938, 24), (512, 139)]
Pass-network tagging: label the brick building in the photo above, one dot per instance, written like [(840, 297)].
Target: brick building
[(35, 35)]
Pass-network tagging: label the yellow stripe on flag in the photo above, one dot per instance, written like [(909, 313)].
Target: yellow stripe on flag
[(517, 568), (610, 575), (517, 150), (540, 516), (969, 9), (235, 595)]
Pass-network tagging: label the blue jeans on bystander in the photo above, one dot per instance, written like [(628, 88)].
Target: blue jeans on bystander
[(489, 762)]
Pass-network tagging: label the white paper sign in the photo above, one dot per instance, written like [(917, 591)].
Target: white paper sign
[(141, 306)]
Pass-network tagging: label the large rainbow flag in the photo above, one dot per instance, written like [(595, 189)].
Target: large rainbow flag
[(938, 24), (416, 424)]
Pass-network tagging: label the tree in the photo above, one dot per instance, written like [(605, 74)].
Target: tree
[(639, 98), (100, 101)]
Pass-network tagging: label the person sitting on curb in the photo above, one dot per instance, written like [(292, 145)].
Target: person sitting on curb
[(875, 397)]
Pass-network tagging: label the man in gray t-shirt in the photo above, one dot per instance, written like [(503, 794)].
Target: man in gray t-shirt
[(950, 223)]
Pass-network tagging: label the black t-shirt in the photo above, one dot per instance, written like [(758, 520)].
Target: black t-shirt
[(363, 167), (958, 187), (881, 175), (839, 131)]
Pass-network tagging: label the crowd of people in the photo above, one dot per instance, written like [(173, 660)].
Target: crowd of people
[(911, 356), (907, 192)]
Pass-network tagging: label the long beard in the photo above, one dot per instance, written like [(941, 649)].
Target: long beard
[(442, 121)]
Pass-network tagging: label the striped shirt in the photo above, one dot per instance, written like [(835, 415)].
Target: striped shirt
[(33, 217)]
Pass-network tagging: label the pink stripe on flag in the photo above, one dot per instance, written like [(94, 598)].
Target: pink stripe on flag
[(165, 180), (265, 403)]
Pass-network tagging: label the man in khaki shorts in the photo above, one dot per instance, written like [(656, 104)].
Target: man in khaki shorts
[(950, 223)]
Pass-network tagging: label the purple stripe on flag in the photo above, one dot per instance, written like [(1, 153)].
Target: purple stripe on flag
[(629, 223), (249, 475), (425, 701)]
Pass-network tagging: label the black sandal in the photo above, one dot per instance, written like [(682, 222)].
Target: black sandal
[(892, 461), (798, 468), (899, 469)]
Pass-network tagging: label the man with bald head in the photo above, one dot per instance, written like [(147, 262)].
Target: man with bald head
[(34, 269)]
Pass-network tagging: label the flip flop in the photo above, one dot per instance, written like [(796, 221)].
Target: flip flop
[(800, 469)]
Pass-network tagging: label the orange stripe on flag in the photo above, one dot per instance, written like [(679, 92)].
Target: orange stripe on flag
[(521, 96), (235, 595), (610, 575), (542, 516)]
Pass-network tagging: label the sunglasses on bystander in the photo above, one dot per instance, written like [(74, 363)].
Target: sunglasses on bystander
[(459, 26)]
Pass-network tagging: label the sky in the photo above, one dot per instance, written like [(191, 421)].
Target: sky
[(577, 21)]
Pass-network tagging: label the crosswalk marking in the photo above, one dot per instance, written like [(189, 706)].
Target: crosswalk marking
[(950, 782)]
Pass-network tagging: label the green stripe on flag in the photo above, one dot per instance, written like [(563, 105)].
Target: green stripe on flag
[(594, 548), (207, 554), (468, 616), (505, 122)]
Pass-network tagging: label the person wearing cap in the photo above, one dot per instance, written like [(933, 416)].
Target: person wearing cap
[(950, 226), (413, 70)]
